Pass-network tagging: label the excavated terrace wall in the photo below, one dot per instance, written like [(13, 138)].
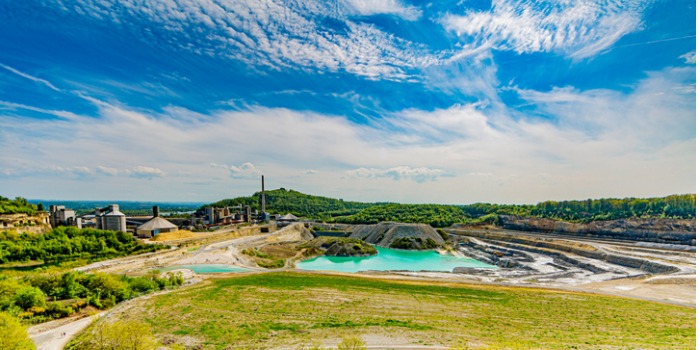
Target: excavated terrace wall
[(655, 230)]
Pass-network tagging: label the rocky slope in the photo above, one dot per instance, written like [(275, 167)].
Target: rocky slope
[(655, 230), (339, 246), (398, 235)]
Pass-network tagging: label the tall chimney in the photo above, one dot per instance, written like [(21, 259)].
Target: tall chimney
[(263, 194), (156, 211)]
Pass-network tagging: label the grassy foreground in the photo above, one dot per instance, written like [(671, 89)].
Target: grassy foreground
[(290, 309)]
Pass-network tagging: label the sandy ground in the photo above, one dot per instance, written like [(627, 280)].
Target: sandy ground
[(676, 289), (229, 251)]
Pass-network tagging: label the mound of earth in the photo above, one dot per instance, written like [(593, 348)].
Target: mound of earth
[(175, 235), (399, 235), (340, 246)]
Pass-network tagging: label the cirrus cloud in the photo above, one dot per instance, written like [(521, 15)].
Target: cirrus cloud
[(376, 7), (275, 34), (577, 28)]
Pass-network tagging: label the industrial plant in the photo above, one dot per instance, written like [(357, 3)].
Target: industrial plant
[(111, 218)]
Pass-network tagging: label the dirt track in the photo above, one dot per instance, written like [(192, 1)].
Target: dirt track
[(47, 338)]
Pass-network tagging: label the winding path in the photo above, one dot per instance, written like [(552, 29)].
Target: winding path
[(57, 338)]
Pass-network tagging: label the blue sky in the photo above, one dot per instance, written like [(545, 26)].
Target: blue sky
[(443, 102)]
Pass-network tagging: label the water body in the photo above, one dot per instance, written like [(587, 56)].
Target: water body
[(206, 268), (392, 259)]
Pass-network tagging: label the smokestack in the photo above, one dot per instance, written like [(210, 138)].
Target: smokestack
[(263, 194), (156, 211)]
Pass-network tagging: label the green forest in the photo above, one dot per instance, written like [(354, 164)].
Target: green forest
[(283, 201), (675, 206), (35, 285), (432, 214), (17, 206), (45, 296), (64, 244)]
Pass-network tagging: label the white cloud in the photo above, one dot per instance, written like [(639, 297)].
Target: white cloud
[(689, 57), (421, 174), (576, 28), (310, 172), (73, 170), (590, 143), (276, 34), (108, 170), (375, 7), (145, 172), (245, 170)]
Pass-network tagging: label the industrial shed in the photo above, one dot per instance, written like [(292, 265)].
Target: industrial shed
[(155, 226)]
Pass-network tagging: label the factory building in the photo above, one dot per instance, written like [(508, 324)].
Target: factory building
[(110, 218), (227, 215), (155, 226), (60, 216)]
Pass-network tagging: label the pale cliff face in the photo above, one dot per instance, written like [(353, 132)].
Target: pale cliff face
[(24, 223)]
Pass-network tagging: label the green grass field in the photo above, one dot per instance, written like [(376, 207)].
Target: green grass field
[(291, 309)]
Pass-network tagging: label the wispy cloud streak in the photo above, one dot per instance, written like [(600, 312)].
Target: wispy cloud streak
[(278, 34), (577, 28), (31, 77)]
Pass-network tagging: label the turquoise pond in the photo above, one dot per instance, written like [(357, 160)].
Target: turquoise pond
[(391, 259), (206, 268)]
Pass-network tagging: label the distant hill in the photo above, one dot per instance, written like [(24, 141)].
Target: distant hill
[(282, 201)]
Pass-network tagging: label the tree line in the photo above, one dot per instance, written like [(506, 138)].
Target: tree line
[(675, 206), (41, 297), (432, 214), (68, 244), (336, 210)]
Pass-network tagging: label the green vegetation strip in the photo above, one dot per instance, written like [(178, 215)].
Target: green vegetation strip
[(18, 205), (284, 201), (65, 244), (288, 309)]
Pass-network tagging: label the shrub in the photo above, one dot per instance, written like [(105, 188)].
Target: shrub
[(430, 244), (59, 310), (175, 279), (402, 243), (271, 264), (142, 285), (28, 297), (12, 335), (108, 285), (352, 343)]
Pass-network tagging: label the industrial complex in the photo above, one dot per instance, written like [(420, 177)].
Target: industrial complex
[(110, 218)]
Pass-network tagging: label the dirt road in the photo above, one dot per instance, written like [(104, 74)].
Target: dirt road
[(57, 338)]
